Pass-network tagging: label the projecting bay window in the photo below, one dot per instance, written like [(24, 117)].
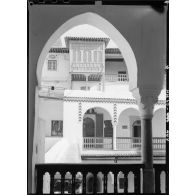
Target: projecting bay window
[(52, 65), (57, 128)]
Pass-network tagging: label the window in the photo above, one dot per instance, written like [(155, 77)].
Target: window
[(124, 126), (84, 56), (137, 129), (88, 127), (74, 55), (85, 88), (52, 65), (99, 56), (78, 56), (95, 56), (89, 57), (57, 128), (122, 76)]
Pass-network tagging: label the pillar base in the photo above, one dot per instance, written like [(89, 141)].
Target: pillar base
[(148, 181)]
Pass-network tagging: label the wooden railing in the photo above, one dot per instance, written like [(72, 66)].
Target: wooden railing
[(97, 143), (75, 178)]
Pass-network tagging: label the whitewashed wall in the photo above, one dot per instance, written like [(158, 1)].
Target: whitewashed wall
[(62, 72), (50, 110)]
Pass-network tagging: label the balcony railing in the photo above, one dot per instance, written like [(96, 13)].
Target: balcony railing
[(97, 143), (116, 77), (126, 143), (74, 178), (122, 143)]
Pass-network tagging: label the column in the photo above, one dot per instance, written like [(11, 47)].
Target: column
[(86, 85), (114, 137), (103, 82), (146, 105)]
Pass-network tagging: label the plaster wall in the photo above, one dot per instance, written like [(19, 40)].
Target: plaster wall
[(50, 110), (126, 118), (72, 128), (159, 123), (62, 72), (53, 110)]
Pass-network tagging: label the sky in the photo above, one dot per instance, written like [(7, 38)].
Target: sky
[(86, 30)]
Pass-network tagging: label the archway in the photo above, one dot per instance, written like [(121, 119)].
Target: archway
[(136, 129), (104, 25), (97, 129), (88, 127), (159, 123), (90, 184), (126, 137)]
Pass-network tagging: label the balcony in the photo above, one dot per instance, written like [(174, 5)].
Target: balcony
[(116, 78), (95, 143), (87, 67), (95, 178), (122, 143)]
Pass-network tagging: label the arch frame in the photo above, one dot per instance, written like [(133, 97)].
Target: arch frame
[(94, 107), (101, 23)]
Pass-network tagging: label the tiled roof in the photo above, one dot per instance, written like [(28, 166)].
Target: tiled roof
[(66, 50), (97, 39)]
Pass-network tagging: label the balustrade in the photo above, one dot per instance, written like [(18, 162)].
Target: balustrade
[(87, 67), (97, 143), (122, 143), (78, 180)]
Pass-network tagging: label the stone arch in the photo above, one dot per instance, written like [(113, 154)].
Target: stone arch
[(102, 24), (126, 118), (97, 128), (100, 108)]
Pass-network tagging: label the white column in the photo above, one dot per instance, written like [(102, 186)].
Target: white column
[(146, 100), (114, 137)]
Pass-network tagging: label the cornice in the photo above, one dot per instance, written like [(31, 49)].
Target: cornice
[(66, 50), (97, 100), (100, 100)]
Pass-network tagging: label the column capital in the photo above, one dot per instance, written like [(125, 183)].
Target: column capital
[(146, 99)]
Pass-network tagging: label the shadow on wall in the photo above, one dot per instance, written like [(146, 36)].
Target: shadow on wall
[(62, 152)]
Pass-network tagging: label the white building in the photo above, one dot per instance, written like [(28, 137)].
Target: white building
[(87, 113)]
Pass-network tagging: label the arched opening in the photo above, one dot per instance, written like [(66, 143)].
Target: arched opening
[(159, 131), (102, 24), (136, 129), (88, 127), (159, 123), (110, 183), (54, 129), (90, 184), (128, 130), (97, 129), (163, 182), (136, 134)]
